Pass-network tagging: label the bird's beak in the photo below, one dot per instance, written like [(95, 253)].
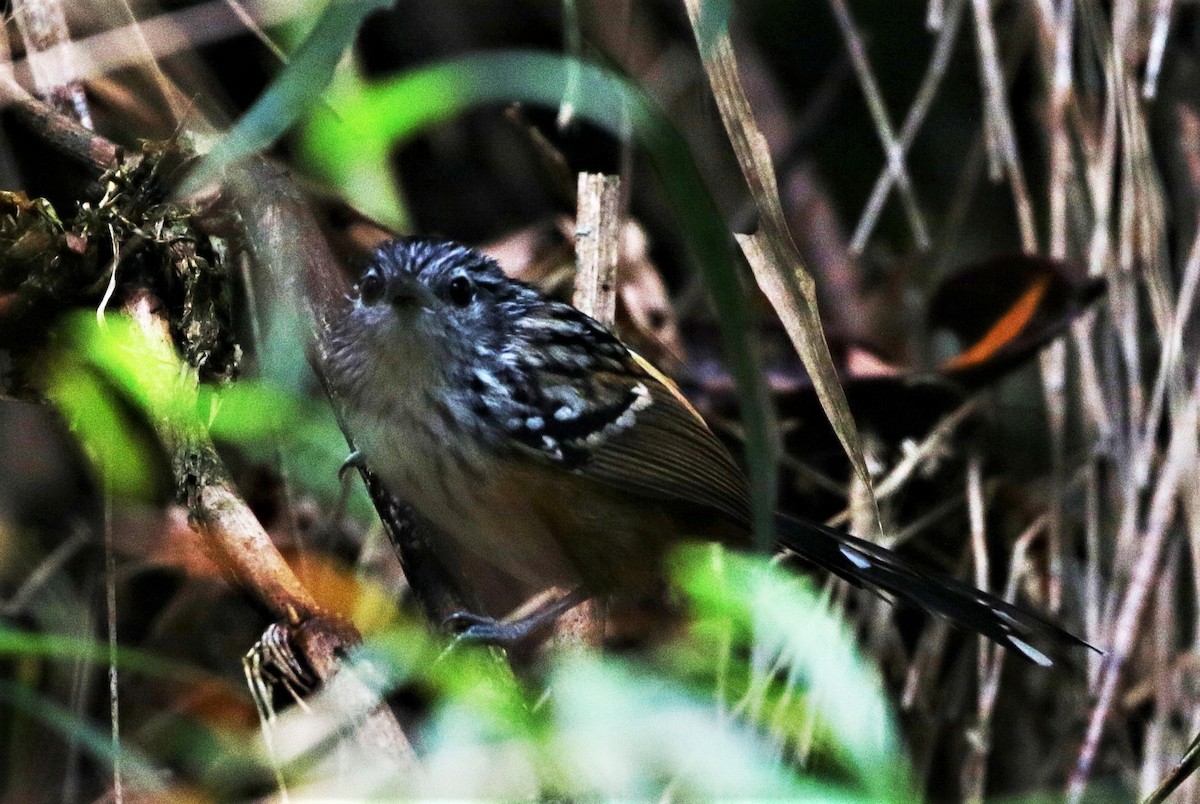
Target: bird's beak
[(407, 289)]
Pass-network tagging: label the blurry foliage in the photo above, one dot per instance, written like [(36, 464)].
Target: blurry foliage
[(309, 71), (760, 672), (760, 648)]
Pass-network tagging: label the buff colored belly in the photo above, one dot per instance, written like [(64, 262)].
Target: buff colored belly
[(495, 513)]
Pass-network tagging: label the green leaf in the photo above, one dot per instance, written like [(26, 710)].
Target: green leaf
[(94, 414), (625, 733), (99, 380), (307, 75), (787, 624), (14, 642)]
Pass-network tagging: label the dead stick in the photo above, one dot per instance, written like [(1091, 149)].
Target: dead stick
[(1180, 455), (597, 249), (234, 535), (597, 246)]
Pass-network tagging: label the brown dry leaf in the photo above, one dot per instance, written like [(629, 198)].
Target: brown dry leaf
[(772, 255), (644, 311), (541, 254), (370, 606), (164, 540)]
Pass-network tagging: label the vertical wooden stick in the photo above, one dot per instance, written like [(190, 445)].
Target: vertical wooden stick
[(597, 246)]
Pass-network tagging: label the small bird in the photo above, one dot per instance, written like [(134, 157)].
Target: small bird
[(534, 439)]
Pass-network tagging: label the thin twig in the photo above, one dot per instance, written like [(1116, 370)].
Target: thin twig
[(1003, 140), (928, 449), (893, 149), (1180, 455), (938, 64), (1053, 360), (975, 768), (110, 602)]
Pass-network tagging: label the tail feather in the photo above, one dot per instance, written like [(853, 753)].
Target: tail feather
[(869, 565)]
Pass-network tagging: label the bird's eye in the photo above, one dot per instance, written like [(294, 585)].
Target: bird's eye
[(371, 286), (462, 291)]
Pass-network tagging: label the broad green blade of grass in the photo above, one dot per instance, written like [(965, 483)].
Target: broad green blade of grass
[(14, 642), (369, 123), (308, 72)]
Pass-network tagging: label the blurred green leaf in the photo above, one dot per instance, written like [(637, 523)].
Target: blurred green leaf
[(99, 378), (14, 642), (609, 728), (626, 733), (147, 371), (307, 74), (251, 411), (105, 375), (789, 626), (94, 414)]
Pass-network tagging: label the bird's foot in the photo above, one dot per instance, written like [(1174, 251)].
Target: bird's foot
[(355, 460), (479, 629)]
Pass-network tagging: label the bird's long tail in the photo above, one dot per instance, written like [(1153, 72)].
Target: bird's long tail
[(865, 564)]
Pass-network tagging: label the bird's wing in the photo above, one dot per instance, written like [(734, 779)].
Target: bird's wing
[(621, 422), (671, 455), (567, 392)]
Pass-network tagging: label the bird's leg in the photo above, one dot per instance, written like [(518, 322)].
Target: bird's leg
[(481, 630)]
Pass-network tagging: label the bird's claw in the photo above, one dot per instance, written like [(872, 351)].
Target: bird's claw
[(478, 629), (355, 460)]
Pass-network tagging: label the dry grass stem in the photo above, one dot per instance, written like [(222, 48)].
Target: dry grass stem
[(1158, 46), (1053, 360), (164, 34), (999, 131), (894, 149), (772, 255), (939, 62), (1178, 461)]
